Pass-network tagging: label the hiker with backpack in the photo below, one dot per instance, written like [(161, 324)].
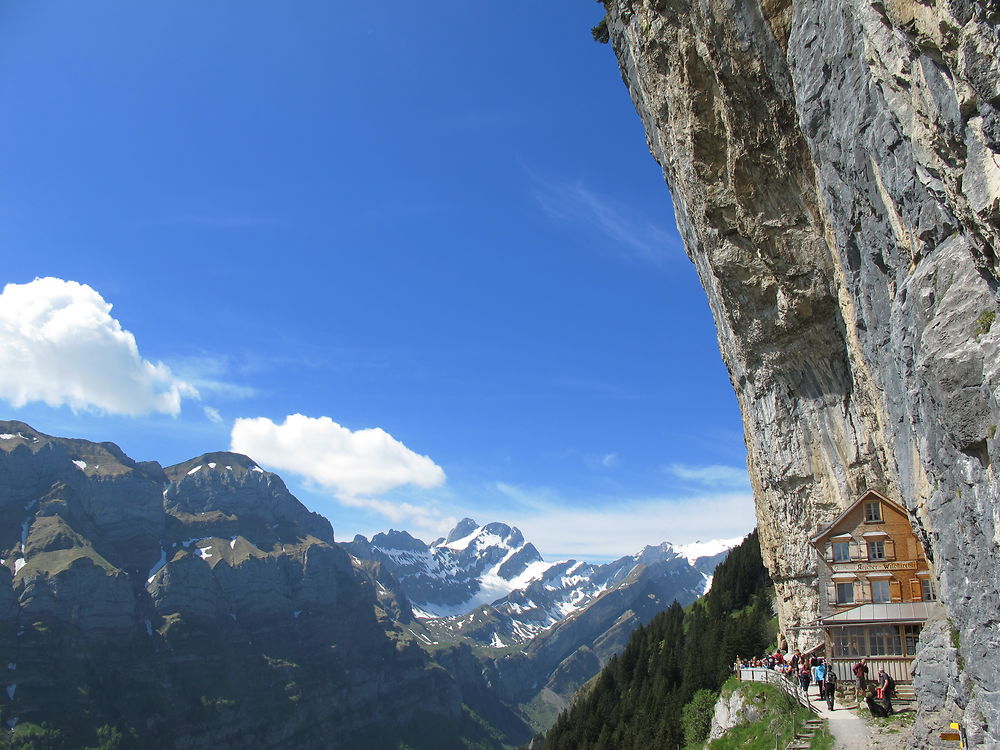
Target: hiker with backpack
[(829, 686), (886, 687), (818, 674)]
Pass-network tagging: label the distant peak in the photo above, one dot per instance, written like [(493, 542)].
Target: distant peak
[(216, 461), (397, 540), (697, 550), (14, 428), (13, 433), (464, 527), (510, 534)]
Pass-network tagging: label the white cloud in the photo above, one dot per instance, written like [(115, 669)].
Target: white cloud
[(209, 374), (712, 475), (354, 464), (609, 460), (425, 522), (635, 236), (61, 346), (213, 414), (623, 526)]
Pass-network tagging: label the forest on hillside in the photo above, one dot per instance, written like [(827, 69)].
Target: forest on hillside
[(660, 690)]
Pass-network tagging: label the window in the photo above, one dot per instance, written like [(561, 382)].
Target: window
[(880, 591), (845, 593), (848, 642), (873, 513), (841, 551), (884, 640), (876, 550), (873, 640), (910, 635), (927, 590)]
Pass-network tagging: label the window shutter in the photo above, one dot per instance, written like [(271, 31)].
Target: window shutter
[(831, 593), (895, 594), (862, 593), (829, 552), (890, 549), (916, 592), (857, 552)]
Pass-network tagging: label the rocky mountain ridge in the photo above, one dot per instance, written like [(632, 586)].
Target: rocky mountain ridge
[(835, 170), (198, 605), (202, 604), (535, 631), (487, 585)]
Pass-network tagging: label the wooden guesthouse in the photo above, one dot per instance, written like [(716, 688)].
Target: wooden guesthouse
[(875, 587)]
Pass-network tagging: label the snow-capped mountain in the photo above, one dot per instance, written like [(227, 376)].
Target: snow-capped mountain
[(473, 565), (486, 584)]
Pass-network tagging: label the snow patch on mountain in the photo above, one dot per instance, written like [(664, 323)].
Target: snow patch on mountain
[(487, 584), (696, 550), (492, 587)]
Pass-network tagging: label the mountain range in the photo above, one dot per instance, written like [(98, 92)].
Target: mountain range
[(485, 584), (202, 605)]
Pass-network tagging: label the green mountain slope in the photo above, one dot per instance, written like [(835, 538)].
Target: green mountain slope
[(638, 701)]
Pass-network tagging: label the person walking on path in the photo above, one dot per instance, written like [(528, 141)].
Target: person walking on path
[(829, 687), (818, 673), (804, 678), (860, 671)]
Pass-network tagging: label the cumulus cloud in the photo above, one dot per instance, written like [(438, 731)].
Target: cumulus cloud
[(61, 346), (354, 464)]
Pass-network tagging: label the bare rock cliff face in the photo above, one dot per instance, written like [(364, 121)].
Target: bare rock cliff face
[(835, 169)]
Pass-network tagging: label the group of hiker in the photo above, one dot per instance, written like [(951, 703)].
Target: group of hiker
[(803, 669), (877, 694), (814, 669)]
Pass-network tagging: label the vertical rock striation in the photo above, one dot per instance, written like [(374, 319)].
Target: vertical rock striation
[(836, 179)]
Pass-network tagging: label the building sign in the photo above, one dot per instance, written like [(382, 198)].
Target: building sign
[(876, 566)]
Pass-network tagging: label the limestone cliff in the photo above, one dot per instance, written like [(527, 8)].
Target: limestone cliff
[(835, 174)]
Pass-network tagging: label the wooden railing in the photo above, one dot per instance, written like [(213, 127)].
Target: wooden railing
[(898, 667), (792, 687)]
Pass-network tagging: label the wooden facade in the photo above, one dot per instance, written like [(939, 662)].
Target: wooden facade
[(875, 587)]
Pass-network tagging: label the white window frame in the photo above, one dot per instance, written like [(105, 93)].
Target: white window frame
[(845, 586), (927, 592), (873, 512), (883, 585)]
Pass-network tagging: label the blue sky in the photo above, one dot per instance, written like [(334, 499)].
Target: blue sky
[(433, 231)]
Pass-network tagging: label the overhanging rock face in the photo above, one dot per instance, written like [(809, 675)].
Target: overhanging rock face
[(835, 169)]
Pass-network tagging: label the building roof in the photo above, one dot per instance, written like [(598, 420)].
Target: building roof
[(896, 612), (866, 495)]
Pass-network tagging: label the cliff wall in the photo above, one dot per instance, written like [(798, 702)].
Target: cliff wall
[(835, 174)]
